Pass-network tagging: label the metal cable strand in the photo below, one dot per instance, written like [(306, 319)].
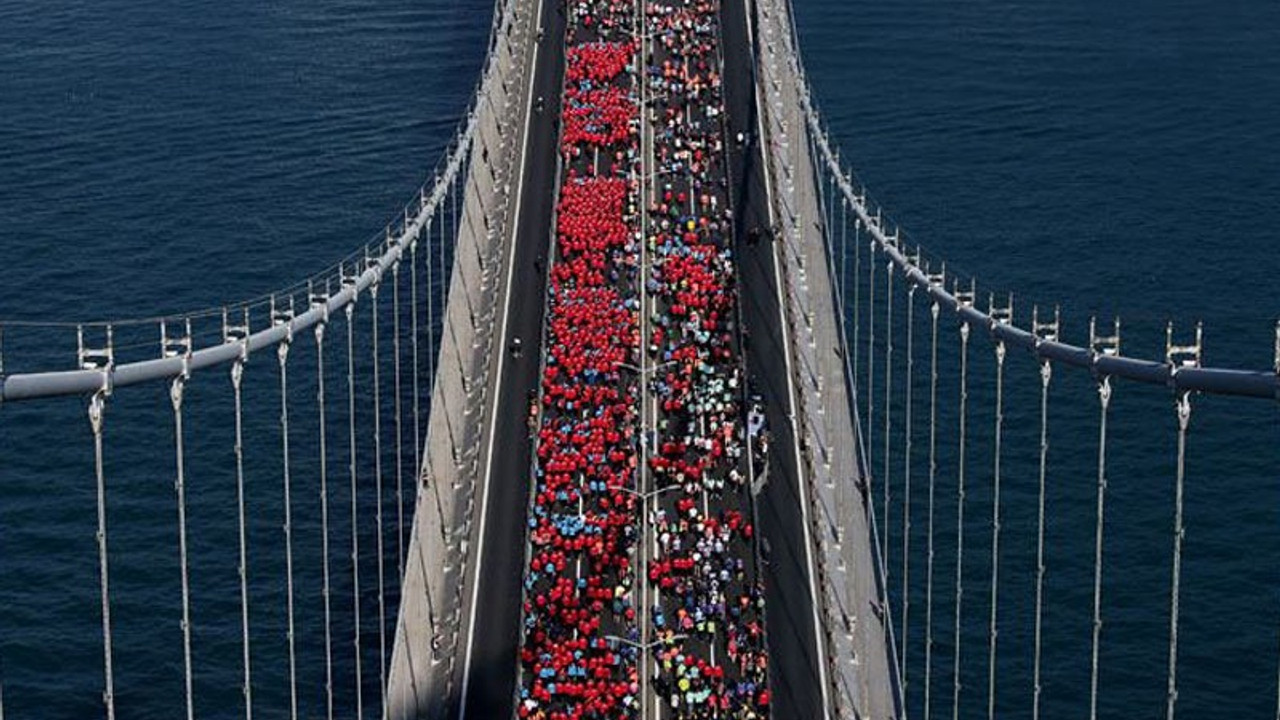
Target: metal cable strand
[(857, 296), (282, 354), (453, 207), (888, 406), (906, 482), (413, 332), (1046, 374), (828, 201), (934, 311), (377, 471), (1179, 531), (844, 247), (993, 632), (1104, 395), (432, 360), (871, 345), (176, 389), (355, 524), (324, 520), (963, 413), (237, 380), (395, 342), (97, 410)]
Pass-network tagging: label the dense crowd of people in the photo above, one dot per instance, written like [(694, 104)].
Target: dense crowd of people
[(583, 525), (705, 571), (620, 297)]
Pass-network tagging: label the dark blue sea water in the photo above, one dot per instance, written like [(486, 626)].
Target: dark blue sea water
[(1111, 157)]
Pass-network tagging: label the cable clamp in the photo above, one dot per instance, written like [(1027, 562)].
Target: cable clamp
[(372, 263), (999, 314), (177, 347), (1101, 346), (320, 301), (937, 280), (237, 333), (965, 297), (101, 359), (1182, 356), (1048, 330), (283, 316)]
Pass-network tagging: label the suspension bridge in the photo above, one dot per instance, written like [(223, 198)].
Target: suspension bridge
[(354, 472)]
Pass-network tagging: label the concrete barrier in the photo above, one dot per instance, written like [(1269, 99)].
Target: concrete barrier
[(856, 622), (423, 676)]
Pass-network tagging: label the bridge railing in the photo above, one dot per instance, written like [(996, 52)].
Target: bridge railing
[(397, 304), (1129, 604)]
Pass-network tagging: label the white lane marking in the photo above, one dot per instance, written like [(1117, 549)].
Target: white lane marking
[(493, 420), (795, 445)]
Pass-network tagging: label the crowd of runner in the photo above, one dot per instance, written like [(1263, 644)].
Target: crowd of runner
[(704, 573), (583, 524), (662, 297)]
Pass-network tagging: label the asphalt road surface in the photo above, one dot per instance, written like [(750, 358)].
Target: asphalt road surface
[(491, 688), (793, 646), (789, 612)]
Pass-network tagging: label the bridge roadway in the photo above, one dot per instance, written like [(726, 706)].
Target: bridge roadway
[(793, 643), (490, 643)]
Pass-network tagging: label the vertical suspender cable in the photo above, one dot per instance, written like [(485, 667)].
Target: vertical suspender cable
[(933, 476), (963, 419), (413, 334), (395, 342), (830, 202), (871, 346), (857, 296), (993, 631), (324, 516), (282, 354), (432, 281), (1184, 420), (844, 247), (97, 409), (176, 389), (355, 516), (237, 380), (1104, 395), (906, 480), (453, 207), (888, 406), (377, 472), (1046, 374)]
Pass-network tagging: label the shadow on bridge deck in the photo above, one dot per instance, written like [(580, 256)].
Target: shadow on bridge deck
[(794, 666)]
